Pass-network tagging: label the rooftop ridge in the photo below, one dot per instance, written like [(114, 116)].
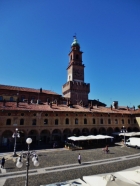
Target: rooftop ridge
[(27, 88)]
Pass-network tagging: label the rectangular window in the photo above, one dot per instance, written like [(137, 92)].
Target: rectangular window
[(45, 121), (56, 121), (8, 122), (101, 121), (109, 121), (22, 122), (76, 121), (85, 121), (94, 121), (34, 122)]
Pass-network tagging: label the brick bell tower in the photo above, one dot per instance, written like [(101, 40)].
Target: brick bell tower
[(76, 89)]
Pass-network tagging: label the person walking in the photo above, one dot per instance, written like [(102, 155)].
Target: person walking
[(2, 162), (106, 149), (79, 158)]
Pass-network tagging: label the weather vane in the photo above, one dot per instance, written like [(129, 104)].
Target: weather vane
[(74, 36)]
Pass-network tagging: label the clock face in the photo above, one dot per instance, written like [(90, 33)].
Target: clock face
[(78, 73)]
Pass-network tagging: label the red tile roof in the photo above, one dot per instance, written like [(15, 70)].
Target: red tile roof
[(45, 107), (20, 89)]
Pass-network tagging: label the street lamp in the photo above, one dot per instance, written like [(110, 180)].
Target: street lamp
[(15, 135), (29, 154), (123, 130)]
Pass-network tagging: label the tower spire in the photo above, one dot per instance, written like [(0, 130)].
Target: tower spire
[(74, 36), (75, 41)]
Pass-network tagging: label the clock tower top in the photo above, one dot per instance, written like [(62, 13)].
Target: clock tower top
[(75, 42), (75, 88)]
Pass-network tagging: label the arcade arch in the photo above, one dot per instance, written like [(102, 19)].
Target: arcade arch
[(6, 137), (117, 129), (44, 136), (34, 135), (109, 131), (85, 132), (76, 132), (56, 135), (66, 133), (102, 130), (129, 129), (135, 129), (93, 131)]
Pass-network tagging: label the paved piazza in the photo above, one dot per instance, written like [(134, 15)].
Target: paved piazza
[(57, 165)]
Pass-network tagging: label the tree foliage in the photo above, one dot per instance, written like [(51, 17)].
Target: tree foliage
[(139, 106)]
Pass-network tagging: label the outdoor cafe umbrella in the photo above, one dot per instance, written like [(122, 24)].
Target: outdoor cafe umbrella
[(107, 180), (76, 182), (132, 174)]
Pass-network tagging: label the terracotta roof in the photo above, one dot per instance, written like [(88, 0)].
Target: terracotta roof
[(76, 108), (20, 89)]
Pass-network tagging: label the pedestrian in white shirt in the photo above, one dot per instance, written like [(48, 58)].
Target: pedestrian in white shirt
[(79, 158)]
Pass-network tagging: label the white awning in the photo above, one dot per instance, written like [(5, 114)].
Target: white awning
[(129, 134), (90, 137)]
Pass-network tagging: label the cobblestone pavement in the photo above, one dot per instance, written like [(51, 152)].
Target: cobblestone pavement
[(64, 157)]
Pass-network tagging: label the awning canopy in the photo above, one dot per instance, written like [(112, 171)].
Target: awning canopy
[(90, 137), (107, 180), (129, 134)]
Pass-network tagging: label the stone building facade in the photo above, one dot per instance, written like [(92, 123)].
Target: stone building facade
[(46, 116)]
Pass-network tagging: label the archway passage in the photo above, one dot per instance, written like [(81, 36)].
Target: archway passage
[(129, 129), (85, 132), (22, 139), (34, 135), (102, 131), (44, 136), (93, 131), (117, 129), (135, 129), (66, 134), (56, 135), (76, 132), (6, 139), (109, 131)]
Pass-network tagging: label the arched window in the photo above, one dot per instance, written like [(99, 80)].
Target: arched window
[(85, 121), (45, 121), (116, 121), (8, 122), (122, 121), (21, 121), (56, 121), (77, 56), (71, 57), (128, 121), (1, 98), (11, 99), (93, 121), (67, 121), (22, 97), (101, 121), (34, 122), (76, 121), (109, 121)]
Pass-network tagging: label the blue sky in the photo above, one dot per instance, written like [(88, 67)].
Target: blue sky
[(36, 37)]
